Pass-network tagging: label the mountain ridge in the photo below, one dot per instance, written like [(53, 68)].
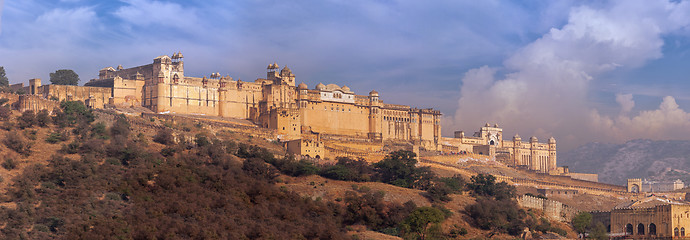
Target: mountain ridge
[(659, 160)]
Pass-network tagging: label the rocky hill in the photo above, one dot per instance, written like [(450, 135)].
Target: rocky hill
[(641, 158)]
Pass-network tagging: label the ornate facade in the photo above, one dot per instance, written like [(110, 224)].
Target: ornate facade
[(650, 218), (273, 102), (489, 141)]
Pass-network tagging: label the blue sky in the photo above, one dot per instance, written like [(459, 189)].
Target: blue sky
[(577, 70)]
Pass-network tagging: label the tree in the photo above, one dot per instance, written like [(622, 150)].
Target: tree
[(4, 81), (582, 221), (398, 168), (424, 221), (599, 232), (485, 185), (64, 77)]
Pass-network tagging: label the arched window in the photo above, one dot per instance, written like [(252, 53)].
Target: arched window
[(682, 232), (629, 229), (652, 229), (640, 229), (675, 232)]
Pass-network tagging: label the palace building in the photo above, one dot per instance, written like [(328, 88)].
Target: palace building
[(531, 155), (274, 102)]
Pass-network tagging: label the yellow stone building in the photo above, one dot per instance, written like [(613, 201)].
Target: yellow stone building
[(489, 141), (273, 102), (650, 218)]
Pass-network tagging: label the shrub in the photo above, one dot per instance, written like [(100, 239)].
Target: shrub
[(70, 148), (5, 113), (15, 141), (120, 127), (9, 163), (98, 130), (26, 120), (347, 169), (43, 118), (164, 136), (260, 169), (71, 113), (499, 215), (57, 136)]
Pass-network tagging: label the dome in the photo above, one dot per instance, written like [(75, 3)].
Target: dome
[(285, 69), (302, 86), (496, 125), (516, 137), (374, 93), (345, 89), (533, 139), (320, 86), (487, 125), (552, 140)]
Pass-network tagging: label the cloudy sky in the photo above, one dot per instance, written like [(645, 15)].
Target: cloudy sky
[(580, 71)]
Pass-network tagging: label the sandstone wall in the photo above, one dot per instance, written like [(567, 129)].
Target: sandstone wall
[(553, 210), (35, 103)]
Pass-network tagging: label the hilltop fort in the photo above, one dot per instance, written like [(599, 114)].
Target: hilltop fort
[(299, 115)]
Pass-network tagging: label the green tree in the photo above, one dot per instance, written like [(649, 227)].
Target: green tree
[(485, 185), (399, 168), (423, 222), (64, 77), (599, 232), (582, 221), (4, 81)]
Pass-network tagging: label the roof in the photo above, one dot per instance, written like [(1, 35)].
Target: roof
[(648, 202)]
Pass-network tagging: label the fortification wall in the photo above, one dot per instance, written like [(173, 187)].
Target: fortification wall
[(99, 96), (553, 210), (35, 103), (335, 118)]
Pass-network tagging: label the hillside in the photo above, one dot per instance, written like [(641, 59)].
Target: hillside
[(642, 158), (181, 177)]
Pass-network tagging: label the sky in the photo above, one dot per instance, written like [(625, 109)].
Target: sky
[(580, 71)]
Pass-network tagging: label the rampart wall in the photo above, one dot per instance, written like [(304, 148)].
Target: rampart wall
[(553, 210), (34, 103)]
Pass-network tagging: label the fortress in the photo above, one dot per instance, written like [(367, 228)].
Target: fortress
[(293, 111)]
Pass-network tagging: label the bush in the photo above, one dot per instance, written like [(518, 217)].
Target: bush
[(164, 136), (120, 127), (43, 118), (5, 113), (70, 148), (98, 130), (347, 169), (57, 136), (15, 141), (26, 120), (260, 169), (71, 113), (499, 215), (9, 163)]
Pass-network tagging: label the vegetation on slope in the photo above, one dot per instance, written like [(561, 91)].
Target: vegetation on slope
[(108, 183)]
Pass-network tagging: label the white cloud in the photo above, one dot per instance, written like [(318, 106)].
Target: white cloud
[(546, 88), (147, 13), (626, 102)]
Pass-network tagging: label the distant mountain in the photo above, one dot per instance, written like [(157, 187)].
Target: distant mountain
[(642, 158)]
